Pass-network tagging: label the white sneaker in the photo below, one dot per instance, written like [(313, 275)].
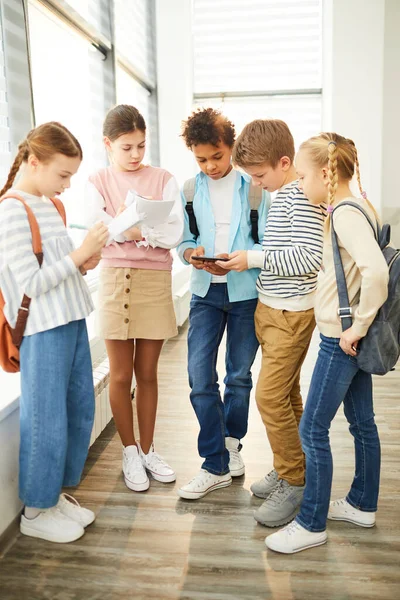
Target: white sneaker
[(52, 525), (204, 483), (341, 510), (156, 465), (134, 472), (236, 464), (71, 508), (294, 538)]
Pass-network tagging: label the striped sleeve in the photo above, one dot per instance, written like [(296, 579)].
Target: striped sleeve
[(16, 251), (303, 254)]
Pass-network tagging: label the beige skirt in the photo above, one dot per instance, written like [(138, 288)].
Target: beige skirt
[(135, 304)]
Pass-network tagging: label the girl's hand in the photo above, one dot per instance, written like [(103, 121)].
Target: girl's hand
[(237, 261), (349, 342), (199, 251), (91, 263), (120, 210), (133, 234), (214, 268)]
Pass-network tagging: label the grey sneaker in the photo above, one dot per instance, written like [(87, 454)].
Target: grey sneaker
[(281, 506), (266, 485)]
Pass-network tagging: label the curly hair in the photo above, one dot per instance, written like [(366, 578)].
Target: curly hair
[(208, 126)]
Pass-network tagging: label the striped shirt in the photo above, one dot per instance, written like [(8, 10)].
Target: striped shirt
[(292, 251), (58, 291)]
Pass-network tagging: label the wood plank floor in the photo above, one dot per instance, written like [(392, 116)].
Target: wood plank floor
[(155, 546)]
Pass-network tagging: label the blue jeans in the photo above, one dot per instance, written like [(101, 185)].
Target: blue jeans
[(56, 412), (336, 379), (209, 317)]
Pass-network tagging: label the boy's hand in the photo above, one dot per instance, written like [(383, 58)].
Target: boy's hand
[(214, 268), (199, 251), (237, 261)]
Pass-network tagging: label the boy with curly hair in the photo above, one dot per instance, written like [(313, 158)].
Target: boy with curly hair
[(221, 300)]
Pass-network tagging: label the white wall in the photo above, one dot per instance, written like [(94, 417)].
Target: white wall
[(391, 118), (362, 90), (353, 81), (174, 84)]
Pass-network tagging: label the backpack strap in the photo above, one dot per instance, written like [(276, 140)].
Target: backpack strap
[(33, 224), (189, 189), (61, 210), (18, 332), (345, 311), (255, 199)]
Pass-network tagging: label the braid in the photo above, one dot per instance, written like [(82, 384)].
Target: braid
[(332, 171), (23, 152), (357, 168)]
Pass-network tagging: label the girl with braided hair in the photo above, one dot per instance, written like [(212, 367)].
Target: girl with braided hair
[(57, 399), (326, 165)]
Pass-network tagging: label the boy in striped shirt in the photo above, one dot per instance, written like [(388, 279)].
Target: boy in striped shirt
[(290, 260)]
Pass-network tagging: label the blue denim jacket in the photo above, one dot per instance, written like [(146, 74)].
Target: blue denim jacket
[(241, 286)]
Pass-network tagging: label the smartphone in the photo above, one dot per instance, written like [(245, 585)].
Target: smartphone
[(210, 258)]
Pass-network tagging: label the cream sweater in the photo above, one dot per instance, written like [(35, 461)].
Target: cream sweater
[(365, 270)]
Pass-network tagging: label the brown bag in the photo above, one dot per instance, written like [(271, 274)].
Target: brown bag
[(11, 339)]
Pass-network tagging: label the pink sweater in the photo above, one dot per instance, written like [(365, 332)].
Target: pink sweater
[(113, 186)]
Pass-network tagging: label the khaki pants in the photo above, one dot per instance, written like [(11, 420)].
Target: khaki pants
[(284, 337)]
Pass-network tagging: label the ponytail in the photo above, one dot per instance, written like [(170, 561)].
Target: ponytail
[(43, 142)]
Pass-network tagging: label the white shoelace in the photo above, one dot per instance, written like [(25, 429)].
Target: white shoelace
[(200, 479), (234, 457), (155, 460), (134, 466), (340, 503), (291, 528)]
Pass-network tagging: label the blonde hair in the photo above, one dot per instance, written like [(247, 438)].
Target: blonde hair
[(263, 140), (43, 142), (340, 154)]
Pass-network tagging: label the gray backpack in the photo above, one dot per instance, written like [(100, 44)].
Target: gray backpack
[(379, 350), (255, 198)]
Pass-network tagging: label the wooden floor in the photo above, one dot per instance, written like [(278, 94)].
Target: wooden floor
[(155, 546)]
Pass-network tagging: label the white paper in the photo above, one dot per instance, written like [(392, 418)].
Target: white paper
[(139, 211)]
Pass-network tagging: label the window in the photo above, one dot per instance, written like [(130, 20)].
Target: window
[(5, 155), (260, 59), (76, 97), (136, 68)]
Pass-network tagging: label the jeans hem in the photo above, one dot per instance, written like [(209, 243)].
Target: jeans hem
[(372, 510), (311, 529), (213, 472), (39, 505)]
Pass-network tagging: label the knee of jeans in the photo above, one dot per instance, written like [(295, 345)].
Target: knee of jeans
[(366, 429), (312, 436)]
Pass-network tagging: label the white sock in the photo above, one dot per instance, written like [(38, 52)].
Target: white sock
[(32, 513)]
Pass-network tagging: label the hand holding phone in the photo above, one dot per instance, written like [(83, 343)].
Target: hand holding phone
[(212, 259)]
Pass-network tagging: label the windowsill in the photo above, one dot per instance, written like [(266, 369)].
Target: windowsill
[(10, 391)]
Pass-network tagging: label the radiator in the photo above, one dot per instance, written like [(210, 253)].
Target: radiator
[(103, 415)]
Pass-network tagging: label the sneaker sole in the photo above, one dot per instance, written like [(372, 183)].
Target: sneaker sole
[(279, 523), (197, 495), (298, 549), (42, 535), (162, 478), (137, 487), (367, 525)]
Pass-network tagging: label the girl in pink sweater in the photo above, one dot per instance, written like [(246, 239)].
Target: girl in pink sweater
[(136, 312)]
